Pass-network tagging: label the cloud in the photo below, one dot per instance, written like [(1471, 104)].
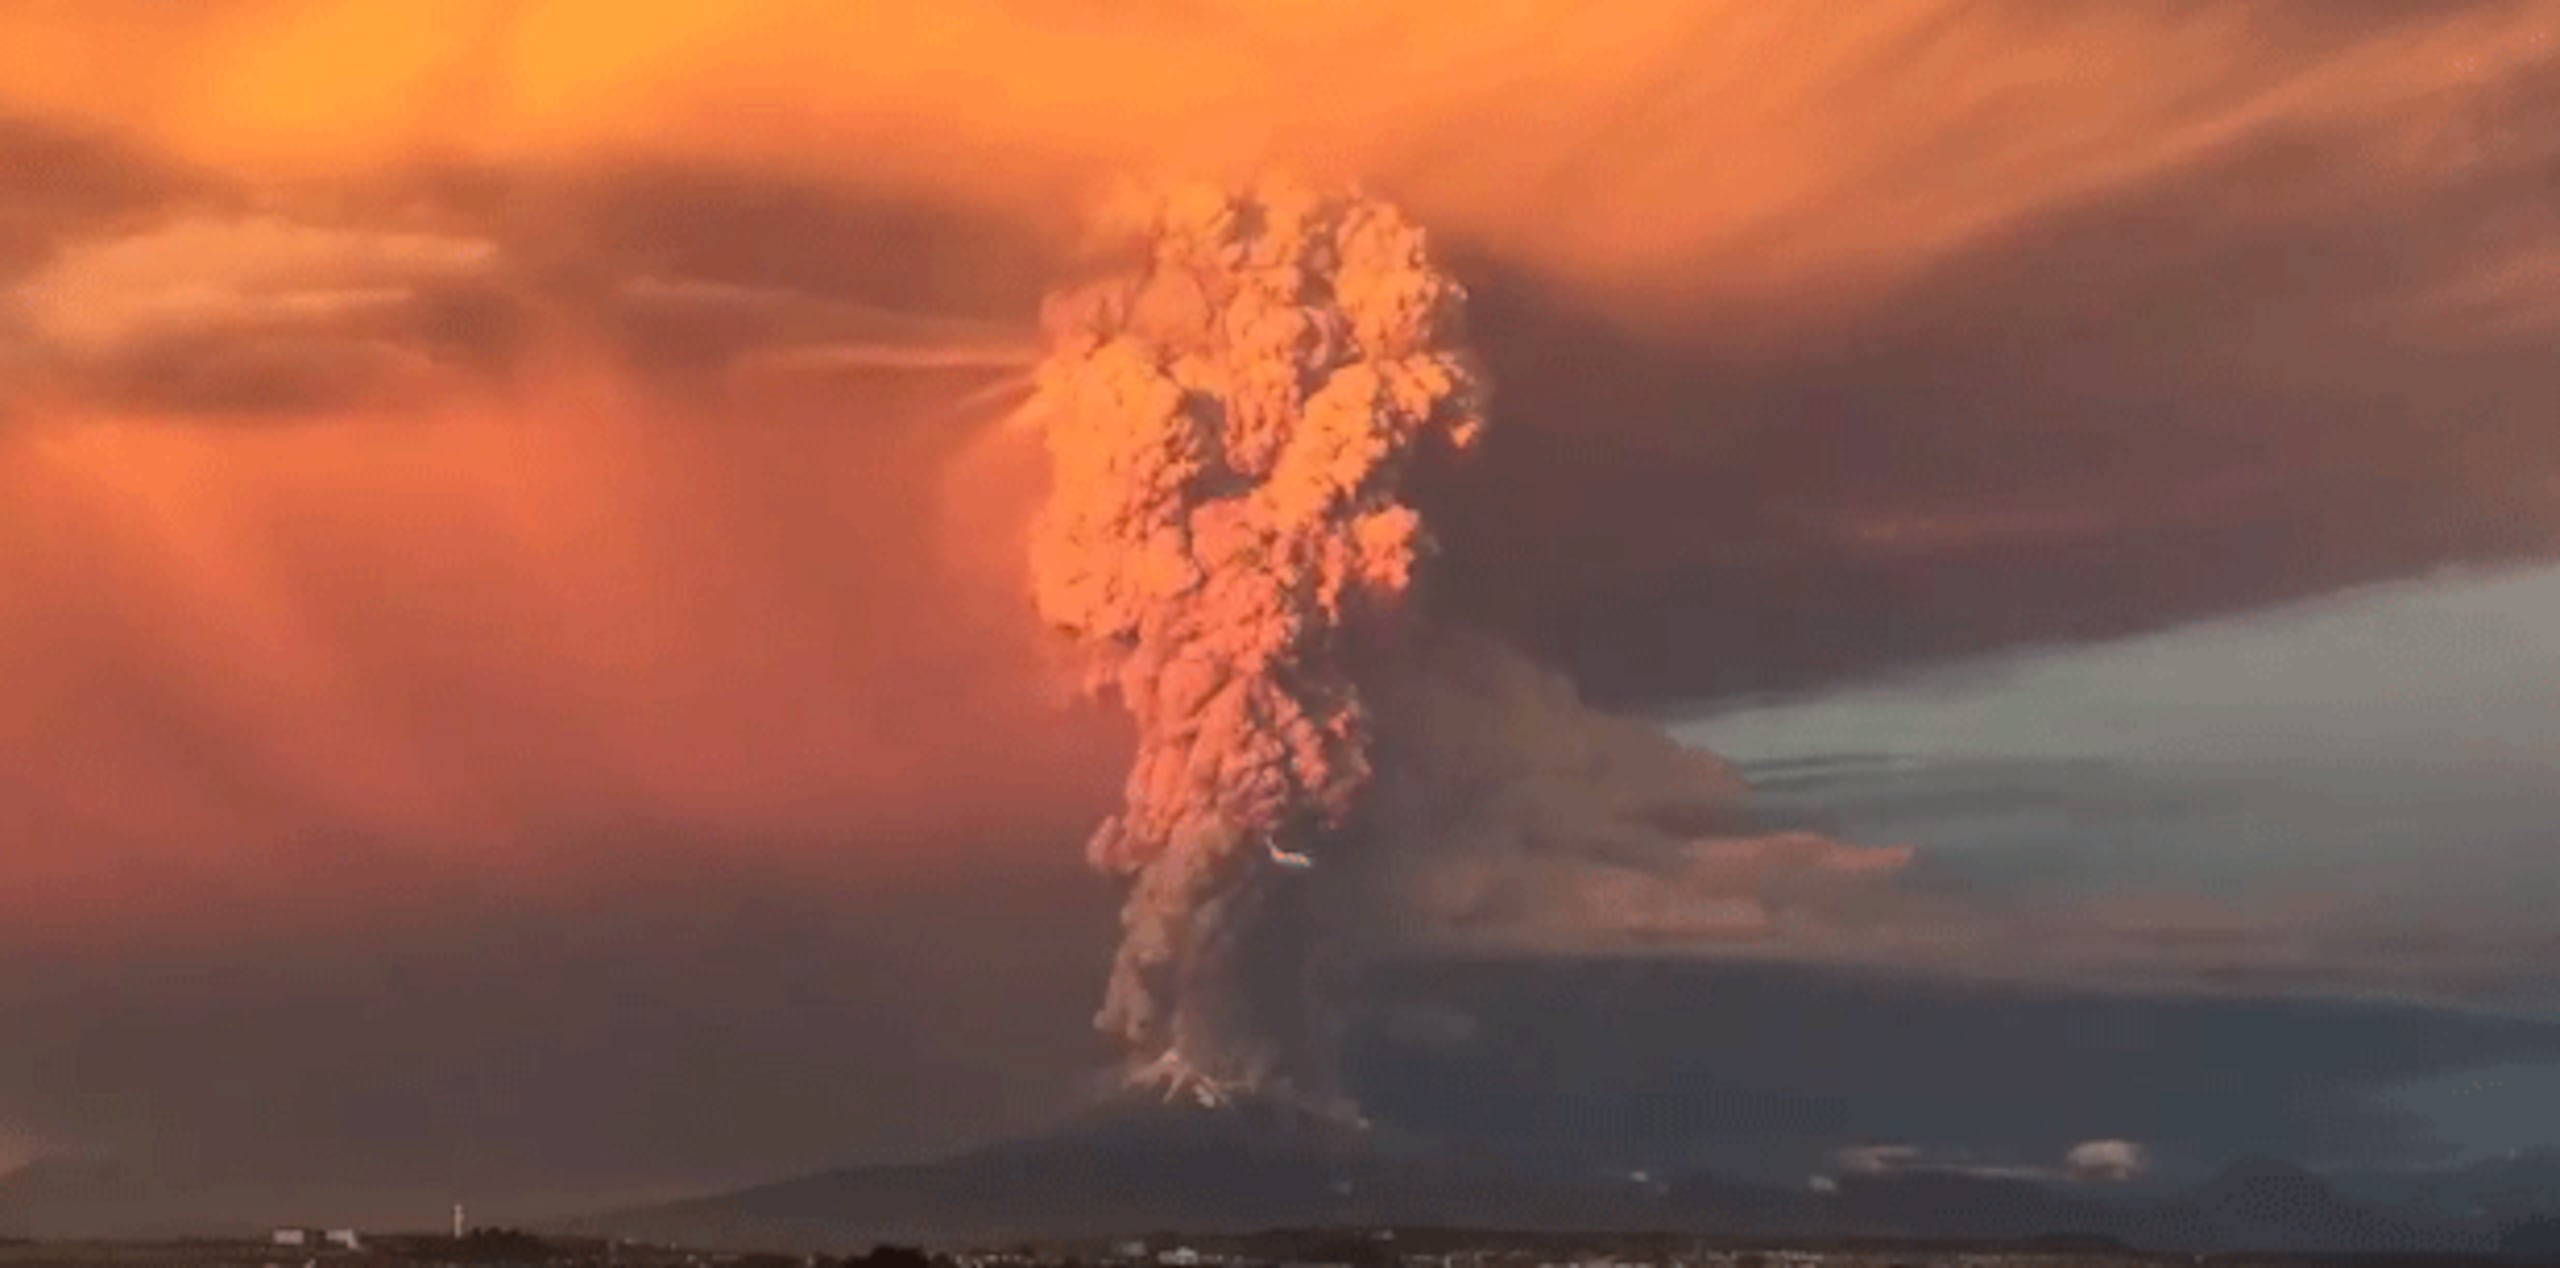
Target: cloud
[(623, 355), (2209, 806), (1808, 898), (1932, 333), (516, 1049), (1707, 893), (1509, 814), (195, 274), (58, 181), (2107, 1161), (1877, 1159), (1841, 150), (2088, 1162), (1520, 821), (1771, 1070), (429, 530), (254, 313)]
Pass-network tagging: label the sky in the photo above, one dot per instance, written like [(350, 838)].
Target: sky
[(523, 678), (2226, 756), (2227, 752)]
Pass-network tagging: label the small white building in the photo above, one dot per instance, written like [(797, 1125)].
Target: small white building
[(292, 1237), (344, 1239)]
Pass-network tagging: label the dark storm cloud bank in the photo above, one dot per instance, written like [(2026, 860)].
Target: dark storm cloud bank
[(1770, 1071), (2091, 824), (2227, 875), (682, 1031), (2262, 376), (674, 1029), (2272, 371), (2149, 409)]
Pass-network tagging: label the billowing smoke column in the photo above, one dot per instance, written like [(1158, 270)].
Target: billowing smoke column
[(1228, 421)]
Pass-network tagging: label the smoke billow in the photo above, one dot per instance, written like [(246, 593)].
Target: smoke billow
[(1229, 421), (1229, 418)]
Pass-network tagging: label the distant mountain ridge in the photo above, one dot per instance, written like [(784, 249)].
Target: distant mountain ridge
[(1133, 1168), (1137, 1167), (2518, 1186)]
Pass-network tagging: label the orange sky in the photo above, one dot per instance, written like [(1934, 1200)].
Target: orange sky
[(1759, 150), (502, 537), (518, 631), (360, 488)]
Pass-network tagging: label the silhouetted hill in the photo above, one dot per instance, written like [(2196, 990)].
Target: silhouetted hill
[(2267, 1205), (1136, 1167), (2509, 1188)]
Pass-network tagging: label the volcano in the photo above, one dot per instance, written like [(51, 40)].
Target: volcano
[(1139, 1165)]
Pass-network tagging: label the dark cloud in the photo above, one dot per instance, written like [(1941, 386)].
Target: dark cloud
[(2303, 359), (1770, 1070), (679, 1026), (58, 182), (229, 313), (827, 242), (2146, 409), (2137, 411), (684, 1027), (688, 269), (2391, 838), (136, 290)]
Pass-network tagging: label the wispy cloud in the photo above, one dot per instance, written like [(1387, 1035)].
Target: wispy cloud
[(2088, 1162)]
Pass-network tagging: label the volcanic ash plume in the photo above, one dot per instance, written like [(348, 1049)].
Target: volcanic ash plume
[(1228, 421)]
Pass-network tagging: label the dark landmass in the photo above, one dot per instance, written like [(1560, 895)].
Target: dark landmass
[(1285, 1248), (488, 1249), (1214, 1181), (1213, 1173), (2516, 1187)]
